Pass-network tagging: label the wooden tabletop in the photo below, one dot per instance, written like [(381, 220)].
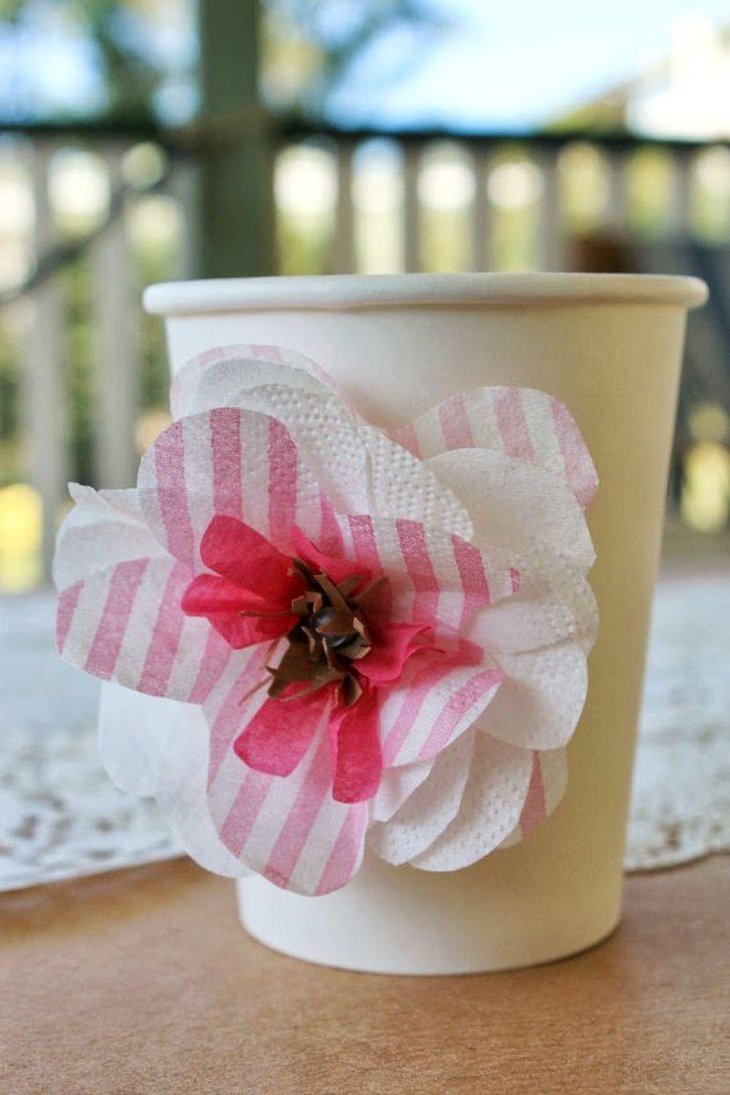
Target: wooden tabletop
[(141, 981)]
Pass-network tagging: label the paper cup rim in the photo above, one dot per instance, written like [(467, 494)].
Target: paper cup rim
[(336, 292)]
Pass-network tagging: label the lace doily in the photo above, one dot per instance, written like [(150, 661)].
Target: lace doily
[(61, 817)]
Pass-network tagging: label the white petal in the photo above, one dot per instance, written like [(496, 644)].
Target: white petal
[(401, 486), (541, 697), (182, 795), (211, 378), (103, 528), (490, 807), (396, 785), (517, 506), (133, 730), (528, 621), (430, 808)]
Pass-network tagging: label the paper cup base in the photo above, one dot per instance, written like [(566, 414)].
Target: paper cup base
[(402, 921)]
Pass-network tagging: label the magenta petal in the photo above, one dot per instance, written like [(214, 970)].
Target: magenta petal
[(392, 646), (334, 567), (239, 553), (279, 734), (241, 631), (241, 617), (209, 593), (358, 758)]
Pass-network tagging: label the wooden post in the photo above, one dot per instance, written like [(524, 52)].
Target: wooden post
[(236, 235)]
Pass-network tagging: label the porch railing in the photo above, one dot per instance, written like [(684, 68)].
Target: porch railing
[(344, 202)]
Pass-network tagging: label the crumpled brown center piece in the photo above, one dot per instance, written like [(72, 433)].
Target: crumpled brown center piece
[(330, 636)]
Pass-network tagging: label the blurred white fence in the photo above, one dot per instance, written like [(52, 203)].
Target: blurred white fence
[(355, 203)]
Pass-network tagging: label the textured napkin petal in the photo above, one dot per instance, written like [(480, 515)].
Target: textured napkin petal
[(182, 794), (519, 423), (433, 703), (361, 469), (403, 487), (429, 809), (152, 746), (326, 436), (214, 377), (396, 786), (548, 780), (126, 624), (541, 699), (291, 831), (576, 593), (490, 807), (528, 621), (517, 505), (432, 574), (103, 528), (133, 733), (230, 463)]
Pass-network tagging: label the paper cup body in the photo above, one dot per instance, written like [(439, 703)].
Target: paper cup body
[(610, 349)]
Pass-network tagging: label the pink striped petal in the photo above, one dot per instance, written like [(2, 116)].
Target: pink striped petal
[(291, 831), (432, 575), (489, 810), (126, 624), (279, 734), (431, 705), (184, 482), (520, 423)]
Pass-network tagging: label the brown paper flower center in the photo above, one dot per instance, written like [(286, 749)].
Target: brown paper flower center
[(331, 635)]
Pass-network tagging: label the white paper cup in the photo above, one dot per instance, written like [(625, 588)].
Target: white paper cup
[(609, 347)]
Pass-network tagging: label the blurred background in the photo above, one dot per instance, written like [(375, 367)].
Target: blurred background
[(158, 139)]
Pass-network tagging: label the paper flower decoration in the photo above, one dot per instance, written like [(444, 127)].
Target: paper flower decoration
[(370, 640)]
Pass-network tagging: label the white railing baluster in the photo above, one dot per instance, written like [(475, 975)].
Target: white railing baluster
[(45, 404), (184, 188), (342, 247), (680, 213), (116, 345), (481, 214), (550, 229), (411, 209), (615, 212)]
